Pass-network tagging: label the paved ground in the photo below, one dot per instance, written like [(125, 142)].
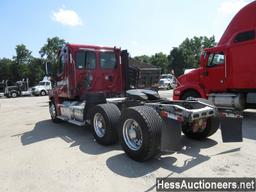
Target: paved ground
[(38, 155)]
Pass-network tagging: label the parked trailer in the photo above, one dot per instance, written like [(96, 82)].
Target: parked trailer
[(93, 88)]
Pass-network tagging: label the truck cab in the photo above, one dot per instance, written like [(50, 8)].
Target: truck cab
[(226, 71), (88, 69), (42, 88)]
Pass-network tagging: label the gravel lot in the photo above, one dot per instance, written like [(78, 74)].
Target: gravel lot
[(38, 155)]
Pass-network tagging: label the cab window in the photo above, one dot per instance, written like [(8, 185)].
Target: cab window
[(108, 60), (244, 36), (86, 59), (216, 59)]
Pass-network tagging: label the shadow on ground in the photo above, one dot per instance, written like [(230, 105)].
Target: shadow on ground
[(72, 134), (136, 169), (121, 164), (190, 148)]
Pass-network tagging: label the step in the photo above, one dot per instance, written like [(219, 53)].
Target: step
[(79, 123)]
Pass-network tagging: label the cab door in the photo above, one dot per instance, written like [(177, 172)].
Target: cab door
[(86, 67), (62, 79), (213, 75), (109, 73)]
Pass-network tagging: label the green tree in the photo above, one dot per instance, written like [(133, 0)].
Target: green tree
[(160, 60), (19, 68), (23, 71), (50, 50), (176, 61), (23, 55), (36, 71), (5, 69), (23, 65), (192, 48), (143, 58)]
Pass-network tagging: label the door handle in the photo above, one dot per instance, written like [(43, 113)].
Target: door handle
[(205, 73), (109, 77)]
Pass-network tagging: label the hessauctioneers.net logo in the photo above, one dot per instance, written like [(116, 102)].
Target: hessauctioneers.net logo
[(205, 184)]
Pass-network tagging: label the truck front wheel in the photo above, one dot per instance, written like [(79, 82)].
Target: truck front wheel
[(53, 112), (140, 132), (14, 94), (43, 93), (105, 118), (199, 133), (188, 95)]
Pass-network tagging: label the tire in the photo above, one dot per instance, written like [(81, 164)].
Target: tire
[(190, 94), (14, 94), (212, 125), (169, 87), (149, 123), (105, 119), (43, 93), (53, 112)]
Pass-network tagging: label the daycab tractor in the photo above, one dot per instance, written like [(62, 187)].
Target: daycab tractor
[(93, 89), (227, 72), (20, 88), (42, 88)]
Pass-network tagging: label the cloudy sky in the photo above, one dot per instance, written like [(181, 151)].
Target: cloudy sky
[(141, 26)]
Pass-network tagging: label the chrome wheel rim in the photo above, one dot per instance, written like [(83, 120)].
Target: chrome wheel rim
[(132, 134), (99, 125), (190, 98), (52, 110)]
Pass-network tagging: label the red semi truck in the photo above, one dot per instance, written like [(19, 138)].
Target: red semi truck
[(93, 88), (226, 73)]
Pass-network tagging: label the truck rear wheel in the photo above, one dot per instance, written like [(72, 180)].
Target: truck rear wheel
[(105, 119), (188, 95), (212, 125), (140, 132)]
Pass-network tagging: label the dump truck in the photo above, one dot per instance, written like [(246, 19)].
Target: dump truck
[(143, 75), (93, 89)]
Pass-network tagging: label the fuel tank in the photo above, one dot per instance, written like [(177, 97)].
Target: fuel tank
[(228, 100)]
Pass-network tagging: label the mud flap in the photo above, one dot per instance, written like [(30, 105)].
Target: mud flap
[(231, 129), (171, 136)]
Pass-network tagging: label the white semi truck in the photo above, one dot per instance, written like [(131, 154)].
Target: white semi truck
[(42, 88)]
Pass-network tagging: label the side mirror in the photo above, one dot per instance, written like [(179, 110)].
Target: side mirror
[(203, 59), (48, 69), (204, 54)]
